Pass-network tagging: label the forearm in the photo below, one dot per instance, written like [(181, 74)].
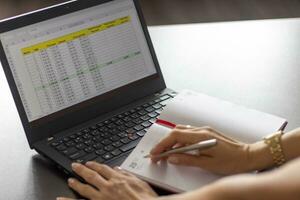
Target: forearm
[(280, 184)]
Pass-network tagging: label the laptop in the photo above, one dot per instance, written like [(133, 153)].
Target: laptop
[(85, 79)]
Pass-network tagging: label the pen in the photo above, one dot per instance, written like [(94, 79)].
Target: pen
[(198, 146)]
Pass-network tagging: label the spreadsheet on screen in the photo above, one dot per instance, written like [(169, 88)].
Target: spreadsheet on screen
[(72, 58)]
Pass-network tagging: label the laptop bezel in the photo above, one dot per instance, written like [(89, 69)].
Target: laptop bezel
[(131, 93)]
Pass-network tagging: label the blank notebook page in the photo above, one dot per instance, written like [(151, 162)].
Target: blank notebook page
[(172, 177)]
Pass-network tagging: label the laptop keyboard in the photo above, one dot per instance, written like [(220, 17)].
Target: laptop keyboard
[(113, 137)]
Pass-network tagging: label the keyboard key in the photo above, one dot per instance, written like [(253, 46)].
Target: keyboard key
[(105, 135), (135, 115), (114, 131), (133, 137), (111, 125), (165, 97), (93, 127), (70, 143), (130, 131), (117, 144), (146, 105), (146, 124), (164, 103), (138, 127), (87, 136), (98, 146), (122, 128), (79, 133), (79, 140), (121, 116), (122, 134), (115, 138), (153, 120), (109, 148), (157, 106), (106, 122), (153, 114), (127, 119), (89, 157), (130, 124), (89, 149), (106, 142), (85, 131), (80, 146), (107, 156), (77, 155), (73, 136), (120, 122), (125, 140), (152, 102), (89, 142), (129, 146), (132, 111), (116, 152), (145, 118), (54, 144), (99, 125), (113, 119), (157, 100), (138, 121), (95, 132), (141, 133), (100, 152), (142, 112), (66, 139), (70, 150), (159, 111), (61, 147), (103, 129)]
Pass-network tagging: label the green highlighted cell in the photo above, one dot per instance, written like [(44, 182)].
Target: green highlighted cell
[(88, 70)]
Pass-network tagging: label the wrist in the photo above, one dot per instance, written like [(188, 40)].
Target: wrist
[(259, 156)]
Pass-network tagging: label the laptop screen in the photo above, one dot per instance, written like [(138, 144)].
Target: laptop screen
[(70, 59)]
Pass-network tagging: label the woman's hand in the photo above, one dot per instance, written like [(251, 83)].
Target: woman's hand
[(108, 184), (229, 156)]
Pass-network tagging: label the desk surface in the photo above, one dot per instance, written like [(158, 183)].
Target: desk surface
[(253, 63)]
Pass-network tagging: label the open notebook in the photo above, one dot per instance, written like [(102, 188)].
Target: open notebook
[(197, 109)]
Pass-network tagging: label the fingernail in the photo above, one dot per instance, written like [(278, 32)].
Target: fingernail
[(59, 198), (89, 163), (75, 165), (71, 180), (173, 160), (118, 168)]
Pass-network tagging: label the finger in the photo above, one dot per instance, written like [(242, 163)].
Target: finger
[(189, 160), (104, 170), (179, 136), (180, 126), (64, 198), (90, 176), (83, 189)]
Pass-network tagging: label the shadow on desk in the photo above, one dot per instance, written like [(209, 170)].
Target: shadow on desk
[(48, 180)]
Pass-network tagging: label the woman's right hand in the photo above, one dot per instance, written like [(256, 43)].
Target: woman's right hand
[(229, 156)]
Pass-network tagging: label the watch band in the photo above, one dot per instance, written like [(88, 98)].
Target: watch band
[(275, 147)]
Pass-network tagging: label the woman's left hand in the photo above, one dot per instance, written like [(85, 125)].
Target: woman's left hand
[(107, 183)]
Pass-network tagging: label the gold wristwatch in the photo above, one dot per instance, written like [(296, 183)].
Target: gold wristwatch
[(275, 147)]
